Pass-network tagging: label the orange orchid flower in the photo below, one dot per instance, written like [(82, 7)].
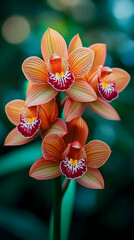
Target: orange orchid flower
[(61, 70), (31, 121), (69, 156), (107, 83)]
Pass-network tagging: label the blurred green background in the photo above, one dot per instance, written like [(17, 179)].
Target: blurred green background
[(25, 204)]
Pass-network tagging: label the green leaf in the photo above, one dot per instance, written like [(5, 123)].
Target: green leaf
[(22, 224), (20, 158)]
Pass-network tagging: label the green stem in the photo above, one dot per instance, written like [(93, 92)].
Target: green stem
[(57, 208)]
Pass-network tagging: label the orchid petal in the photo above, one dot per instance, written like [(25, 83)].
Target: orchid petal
[(52, 42), (75, 43), (97, 153), (77, 131), (40, 94), (80, 61), (100, 54), (35, 70), (53, 147), (81, 91), (92, 179), (73, 109), (122, 79), (43, 169), (13, 109), (104, 109), (14, 138), (58, 127)]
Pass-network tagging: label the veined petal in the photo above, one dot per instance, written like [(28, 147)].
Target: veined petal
[(77, 131), (81, 91), (122, 79), (75, 43), (97, 153), (13, 109), (52, 42), (14, 138), (100, 54), (43, 169), (53, 147), (80, 61), (104, 109), (35, 70), (73, 109), (92, 179), (39, 94), (59, 127)]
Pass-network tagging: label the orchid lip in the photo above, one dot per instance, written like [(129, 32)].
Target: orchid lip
[(61, 81), (107, 90), (28, 127), (73, 168)]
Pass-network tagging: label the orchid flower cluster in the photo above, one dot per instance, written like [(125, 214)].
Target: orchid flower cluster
[(80, 74)]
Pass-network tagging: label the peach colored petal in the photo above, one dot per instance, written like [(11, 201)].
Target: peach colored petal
[(52, 42), (13, 109), (43, 169), (53, 147), (74, 43), (81, 91), (100, 54), (59, 127), (73, 109), (97, 153), (92, 179), (122, 79), (92, 77), (14, 138), (40, 94), (77, 131), (80, 61), (35, 70), (43, 116), (104, 109)]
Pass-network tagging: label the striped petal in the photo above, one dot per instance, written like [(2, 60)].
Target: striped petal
[(44, 170), (81, 60), (53, 147), (75, 43), (97, 153), (13, 109), (52, 42), (81, 91), (35, 70), (92, 179), (40, 94), (14, 138), (122, 79), (59, 127), (73, 109), (104, 109), (100, 54), (77, 131)]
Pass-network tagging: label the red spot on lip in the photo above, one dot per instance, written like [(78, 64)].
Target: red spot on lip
[(29, 128), (107, 90)]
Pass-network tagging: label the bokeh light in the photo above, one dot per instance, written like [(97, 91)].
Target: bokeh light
[(16, 29)]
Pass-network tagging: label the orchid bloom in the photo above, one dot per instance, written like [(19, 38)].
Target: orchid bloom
[(61, 70), (106, 82), (31, 121), (69, 156)]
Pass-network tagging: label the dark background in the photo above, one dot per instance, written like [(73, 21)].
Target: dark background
[(25, 204)]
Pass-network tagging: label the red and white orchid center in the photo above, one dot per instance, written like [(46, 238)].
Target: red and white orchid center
[(59, 73), (28, 127), (106, 84)]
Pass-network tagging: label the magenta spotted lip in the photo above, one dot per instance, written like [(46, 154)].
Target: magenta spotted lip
[(73, 169), (61, 81), (107, 90), (28, 127)]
